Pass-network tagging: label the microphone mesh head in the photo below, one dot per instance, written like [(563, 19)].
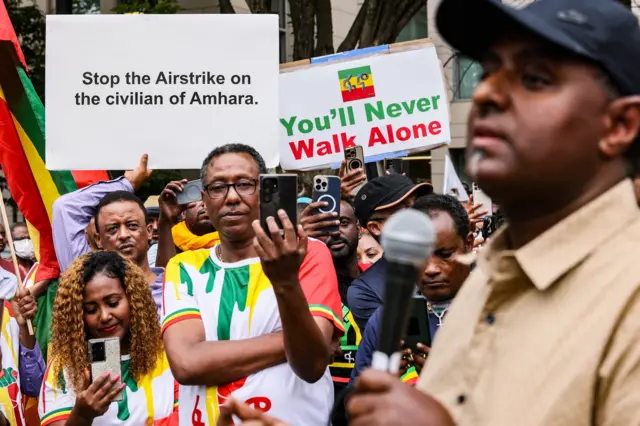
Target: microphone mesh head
[(408, 237)]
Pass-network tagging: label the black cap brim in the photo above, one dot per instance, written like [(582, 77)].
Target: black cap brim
[(470, 27), (418, 190)]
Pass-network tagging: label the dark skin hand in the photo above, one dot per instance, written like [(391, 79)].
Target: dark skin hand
[(351, 180), (313, 224), (93, 401), (25, 308), (379, 399), (308, 341), (248, 416), (170, 213), (420, 357)]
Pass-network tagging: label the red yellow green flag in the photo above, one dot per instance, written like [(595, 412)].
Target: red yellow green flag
[(356, 84), (22, 151)]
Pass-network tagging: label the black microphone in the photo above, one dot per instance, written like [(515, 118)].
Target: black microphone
[(407, 240)]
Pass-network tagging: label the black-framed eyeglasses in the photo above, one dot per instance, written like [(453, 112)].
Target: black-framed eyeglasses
[(243, 187)]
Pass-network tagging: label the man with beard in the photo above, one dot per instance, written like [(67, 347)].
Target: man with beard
[(545, 330), (343, 246)]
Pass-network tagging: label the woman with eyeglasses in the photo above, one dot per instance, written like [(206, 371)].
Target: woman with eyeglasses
[(103, 295)]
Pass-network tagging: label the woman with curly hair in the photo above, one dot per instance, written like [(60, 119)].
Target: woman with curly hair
[(103, 295)]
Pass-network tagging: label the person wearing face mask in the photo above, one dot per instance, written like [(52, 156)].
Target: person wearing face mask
[(23, 247)]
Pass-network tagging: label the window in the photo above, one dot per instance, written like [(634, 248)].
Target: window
[(468, 73), (416, 28), (280, 7)]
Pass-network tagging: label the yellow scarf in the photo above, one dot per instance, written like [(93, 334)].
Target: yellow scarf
[(185, 240)]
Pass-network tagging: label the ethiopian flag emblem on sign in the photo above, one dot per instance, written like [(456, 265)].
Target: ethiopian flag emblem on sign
[(356, 83)]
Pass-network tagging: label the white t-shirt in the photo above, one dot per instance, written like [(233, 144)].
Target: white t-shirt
[(236, 301), (10, 395), (153, 398)]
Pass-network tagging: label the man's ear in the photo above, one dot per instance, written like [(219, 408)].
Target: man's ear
[(375, 229), (469, 242), (623, 126)]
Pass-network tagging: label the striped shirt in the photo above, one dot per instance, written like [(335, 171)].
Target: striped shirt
[(549, 334)]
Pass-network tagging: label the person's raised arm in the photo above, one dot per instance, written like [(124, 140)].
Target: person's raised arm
[(170, 212), (309, 328), (72, 212), (193, 359)]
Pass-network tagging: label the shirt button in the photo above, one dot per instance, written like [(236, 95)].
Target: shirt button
[(461, 398), (490, 319), (22, 353), (28, 379)]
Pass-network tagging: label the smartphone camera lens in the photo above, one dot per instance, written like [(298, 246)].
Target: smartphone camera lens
[(98, 352), (324, 184), (318, 180), (318, 188)]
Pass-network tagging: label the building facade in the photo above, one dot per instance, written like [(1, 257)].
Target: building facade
[(461, 74)]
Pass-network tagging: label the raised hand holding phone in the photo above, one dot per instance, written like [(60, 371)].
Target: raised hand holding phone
[(96, 397)]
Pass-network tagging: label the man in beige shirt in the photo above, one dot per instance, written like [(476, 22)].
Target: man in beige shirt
[(546, 330)]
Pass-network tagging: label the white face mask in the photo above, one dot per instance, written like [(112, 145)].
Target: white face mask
[(24, 249)]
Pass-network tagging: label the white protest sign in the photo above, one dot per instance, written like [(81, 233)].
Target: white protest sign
[(172, 86), (452, 183), (385, 103)]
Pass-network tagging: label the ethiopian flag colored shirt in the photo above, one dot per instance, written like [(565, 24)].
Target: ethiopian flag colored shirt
[(236, 301), (150, 401)]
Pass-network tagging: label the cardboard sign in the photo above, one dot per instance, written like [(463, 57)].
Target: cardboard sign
[(385, 103), (172, 86)]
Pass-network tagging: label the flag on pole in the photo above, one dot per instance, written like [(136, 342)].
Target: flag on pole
[(452, 184), (22, 151)]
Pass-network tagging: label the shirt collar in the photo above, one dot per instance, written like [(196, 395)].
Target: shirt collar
[(565, 245)]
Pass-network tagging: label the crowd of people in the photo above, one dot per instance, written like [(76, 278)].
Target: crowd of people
[(221, 308), (222, 320)]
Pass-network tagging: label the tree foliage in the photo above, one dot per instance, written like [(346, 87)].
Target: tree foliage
[(148, 6), (29, 23)]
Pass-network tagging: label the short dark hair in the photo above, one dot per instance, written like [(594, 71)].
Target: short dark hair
[(118, 197), (433, 203), (233, 148), (18, 225), (349, 201)]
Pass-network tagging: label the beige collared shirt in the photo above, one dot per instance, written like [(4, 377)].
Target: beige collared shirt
[(548, 335)]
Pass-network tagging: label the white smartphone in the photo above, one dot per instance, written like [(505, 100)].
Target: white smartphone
[(104, 357), (480, 197)]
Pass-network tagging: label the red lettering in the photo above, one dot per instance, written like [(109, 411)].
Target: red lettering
[(196, 414), (404, 134), (347, 142), (297, 149), (423, 131), (376, 136), (392, 139), (336, 143), (435, 127), (324, 148), (261, 403)]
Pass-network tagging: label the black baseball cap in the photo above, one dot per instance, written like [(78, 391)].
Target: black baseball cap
[(601, 31), (384, 192)]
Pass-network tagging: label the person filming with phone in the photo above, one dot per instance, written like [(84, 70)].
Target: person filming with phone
[(104, 301), (256, 317)]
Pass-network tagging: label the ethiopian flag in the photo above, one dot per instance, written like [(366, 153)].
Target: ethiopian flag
[(356, 84), (22, 151)]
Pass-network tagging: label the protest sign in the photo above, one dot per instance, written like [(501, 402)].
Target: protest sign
[(172, 86), (452, 183), (385, 103)]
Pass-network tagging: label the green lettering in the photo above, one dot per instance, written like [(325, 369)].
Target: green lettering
[(423, 105), (434, 101), (377, 110), (288, 124), (394, 110)]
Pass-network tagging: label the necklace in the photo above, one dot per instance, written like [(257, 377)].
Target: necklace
[(439, 310), (219, 253)]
